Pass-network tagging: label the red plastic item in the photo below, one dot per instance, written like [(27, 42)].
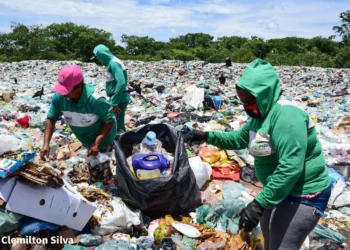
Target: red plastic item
[(23, 121), (225, 173), (181, 72), (171, 115)]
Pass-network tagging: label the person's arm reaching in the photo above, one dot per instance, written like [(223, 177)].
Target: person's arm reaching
[(52, 116), (104, 110), (234, 140), (95, 147), (49, 128)]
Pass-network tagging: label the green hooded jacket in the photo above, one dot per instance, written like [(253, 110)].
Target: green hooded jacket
[(117, 77), (85, 118), (288, 155)]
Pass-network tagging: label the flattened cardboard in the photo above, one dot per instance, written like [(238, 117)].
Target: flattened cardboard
[(62, 206), (6, 187)]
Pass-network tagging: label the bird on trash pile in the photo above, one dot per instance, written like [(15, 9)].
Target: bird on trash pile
[(228, 62), (39, 93), (15, 79), (222, 78), (135, 87)]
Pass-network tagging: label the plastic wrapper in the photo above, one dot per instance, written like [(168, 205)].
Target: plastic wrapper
[(337, 190), (329, 234), (334, 175), (9, 221), (34, 226), (90, 240), (232, 191), (209, 155), (202, 171), (113, 216), (11, 165), (10, 143)]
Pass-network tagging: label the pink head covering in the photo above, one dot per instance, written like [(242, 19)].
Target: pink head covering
[(68, 77)]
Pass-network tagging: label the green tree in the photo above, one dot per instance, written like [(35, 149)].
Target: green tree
[(193, 40), (344, 29), (232, 42)]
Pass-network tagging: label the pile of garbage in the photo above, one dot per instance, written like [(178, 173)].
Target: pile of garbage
[(60, 203)]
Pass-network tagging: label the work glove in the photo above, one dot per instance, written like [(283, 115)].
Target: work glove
[(196, 135), (250, 216)]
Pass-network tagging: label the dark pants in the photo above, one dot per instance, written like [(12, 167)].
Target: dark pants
[(286, 226)]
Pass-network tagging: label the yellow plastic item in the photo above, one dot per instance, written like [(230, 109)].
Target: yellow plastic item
[(147, 174), (209, 155), (223, 155)]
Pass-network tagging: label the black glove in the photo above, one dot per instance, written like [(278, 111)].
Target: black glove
[(196, 135), (250, 216)]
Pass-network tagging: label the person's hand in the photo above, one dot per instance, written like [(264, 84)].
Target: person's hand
[(45, 152), (196, 135), (94, 149), (250, 216), (116, 110)]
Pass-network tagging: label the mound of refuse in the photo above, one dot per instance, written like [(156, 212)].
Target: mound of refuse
[(62, 204)]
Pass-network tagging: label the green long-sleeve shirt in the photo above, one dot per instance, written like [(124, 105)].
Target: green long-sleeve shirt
[(117, 78), (288, 155)]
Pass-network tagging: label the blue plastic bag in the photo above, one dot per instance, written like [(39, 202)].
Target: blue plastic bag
[(33, 226), (334, 175), (217, 101)]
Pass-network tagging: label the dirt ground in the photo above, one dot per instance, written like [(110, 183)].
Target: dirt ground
[(219, 184)]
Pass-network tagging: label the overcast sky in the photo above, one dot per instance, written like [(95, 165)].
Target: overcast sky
[(163, 19)]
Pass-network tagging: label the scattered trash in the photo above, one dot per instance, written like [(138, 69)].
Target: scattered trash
[(169, 98)]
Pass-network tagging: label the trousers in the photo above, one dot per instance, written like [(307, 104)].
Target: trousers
[(121, 117), (286, 226)]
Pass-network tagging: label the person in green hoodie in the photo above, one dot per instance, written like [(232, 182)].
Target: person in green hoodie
[(116, 84), (89, 115), (288, 157)]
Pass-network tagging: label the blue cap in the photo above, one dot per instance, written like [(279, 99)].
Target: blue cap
[(151, 138)]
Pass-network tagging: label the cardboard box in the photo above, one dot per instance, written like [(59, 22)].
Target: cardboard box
[(63, 206), (6, 187)]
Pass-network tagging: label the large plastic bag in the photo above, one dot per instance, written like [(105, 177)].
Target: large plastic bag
[(13, 144), (342, 200), (233, 191), (114, 216), (194, 96), (202, 171), (329, 234), (222, 215), (9, 221), (337, 190), (175, 194)]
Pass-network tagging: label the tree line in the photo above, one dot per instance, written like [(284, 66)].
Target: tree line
[(69, 41)]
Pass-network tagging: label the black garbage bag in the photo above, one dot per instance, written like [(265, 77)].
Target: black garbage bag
[(174, 194)]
